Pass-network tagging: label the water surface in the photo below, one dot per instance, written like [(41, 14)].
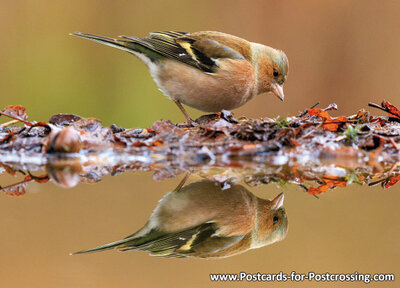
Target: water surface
[(349, 228)]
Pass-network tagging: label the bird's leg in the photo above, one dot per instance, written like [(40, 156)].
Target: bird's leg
[(183, 181), (188, 119)]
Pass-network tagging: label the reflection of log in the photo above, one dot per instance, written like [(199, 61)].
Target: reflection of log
[(311, 141)]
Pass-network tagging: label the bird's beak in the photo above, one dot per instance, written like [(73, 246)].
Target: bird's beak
[(278, 201), (278, 91)]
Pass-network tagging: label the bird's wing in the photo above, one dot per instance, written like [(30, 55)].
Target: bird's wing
[(199, 240), (167, 244), (212, 245), (197, 50), (220, 45), (165, 45), (157, 242), (208, 49), (178, 244)]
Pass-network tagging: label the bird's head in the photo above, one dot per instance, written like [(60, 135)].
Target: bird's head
[(271, 224), (272, 67)]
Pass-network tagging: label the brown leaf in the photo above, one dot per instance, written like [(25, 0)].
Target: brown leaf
[(88, 124), (157, 142), (15, 190), (371, 142), (15, 112), (8, 169), (64, 119)]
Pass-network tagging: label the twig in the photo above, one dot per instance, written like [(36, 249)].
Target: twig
[(376, 182), (393, 143), (16, 118), (9, 123), (370, 104)]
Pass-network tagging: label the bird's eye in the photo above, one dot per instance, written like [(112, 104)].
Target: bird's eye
[(276, 73), (275, 219)]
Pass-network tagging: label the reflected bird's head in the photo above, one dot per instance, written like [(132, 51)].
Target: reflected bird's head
[(272, 224)]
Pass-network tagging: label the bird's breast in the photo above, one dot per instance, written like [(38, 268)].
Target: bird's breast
[(231, 86)]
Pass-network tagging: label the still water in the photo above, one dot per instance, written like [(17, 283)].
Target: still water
[(248, 217)]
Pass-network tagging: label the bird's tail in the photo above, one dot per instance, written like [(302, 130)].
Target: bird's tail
[(112, 245), (128, 46)]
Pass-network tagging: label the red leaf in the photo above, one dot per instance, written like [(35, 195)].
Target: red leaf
[(389, 182), (41, 179), (330, 183), (331, 124), (380, 120), (392, 110), (318, 112)]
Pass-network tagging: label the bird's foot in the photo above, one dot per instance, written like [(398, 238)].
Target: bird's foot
[(188, 119)]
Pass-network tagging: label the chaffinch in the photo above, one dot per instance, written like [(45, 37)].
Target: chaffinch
[(207, 70), (202, 220)]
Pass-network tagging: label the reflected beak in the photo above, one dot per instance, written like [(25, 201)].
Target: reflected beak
[(278, 201), (278, 91)]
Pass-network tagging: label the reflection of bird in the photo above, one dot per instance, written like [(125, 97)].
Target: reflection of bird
[(209, 71), (202, 220)]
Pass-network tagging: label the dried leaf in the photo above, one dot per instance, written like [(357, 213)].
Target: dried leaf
[(157, 142), (64, 119), (8, 169), (391, 109), (389, 182), (330, 183), (15, 190), (15, 112), (88, 124), (320, 113), (38, 179), (331, 124), (380, 120)]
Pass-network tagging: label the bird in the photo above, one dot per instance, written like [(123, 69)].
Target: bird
[(205, 221), (207, 70)]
